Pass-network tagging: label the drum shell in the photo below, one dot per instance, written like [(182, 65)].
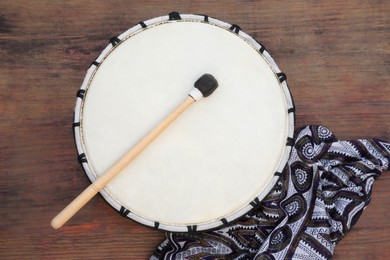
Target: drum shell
[(204, 225)]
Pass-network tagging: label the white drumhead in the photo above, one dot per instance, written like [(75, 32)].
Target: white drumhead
[(218, 156)]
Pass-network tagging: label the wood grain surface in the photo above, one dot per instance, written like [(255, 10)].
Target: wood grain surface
[(335, 53)]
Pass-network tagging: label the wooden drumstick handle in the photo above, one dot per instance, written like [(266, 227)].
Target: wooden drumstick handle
[(204, 86)]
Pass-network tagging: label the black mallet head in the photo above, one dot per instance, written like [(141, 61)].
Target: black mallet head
[(204, 87), (206, 84)]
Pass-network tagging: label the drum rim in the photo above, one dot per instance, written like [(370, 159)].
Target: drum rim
[(175, 17)]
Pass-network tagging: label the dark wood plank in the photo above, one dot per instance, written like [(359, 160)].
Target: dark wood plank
[(336, 56)]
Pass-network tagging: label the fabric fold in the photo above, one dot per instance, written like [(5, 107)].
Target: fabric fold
[(322, 192)]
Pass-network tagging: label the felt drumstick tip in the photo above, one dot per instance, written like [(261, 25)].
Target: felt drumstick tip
[(204, 87)]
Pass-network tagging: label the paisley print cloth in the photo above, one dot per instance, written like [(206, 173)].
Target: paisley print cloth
[(322, 192)]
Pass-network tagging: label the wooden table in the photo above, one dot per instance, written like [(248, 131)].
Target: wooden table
[(336, 56)]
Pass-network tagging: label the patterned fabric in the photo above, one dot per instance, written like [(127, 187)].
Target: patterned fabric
[(322, 192)]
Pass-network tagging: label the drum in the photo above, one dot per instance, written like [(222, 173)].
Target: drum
[(218, 159)]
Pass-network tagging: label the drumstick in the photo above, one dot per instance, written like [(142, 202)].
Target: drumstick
[(204, 87)]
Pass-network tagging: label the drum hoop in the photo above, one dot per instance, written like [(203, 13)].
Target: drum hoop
[(176, 17)]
